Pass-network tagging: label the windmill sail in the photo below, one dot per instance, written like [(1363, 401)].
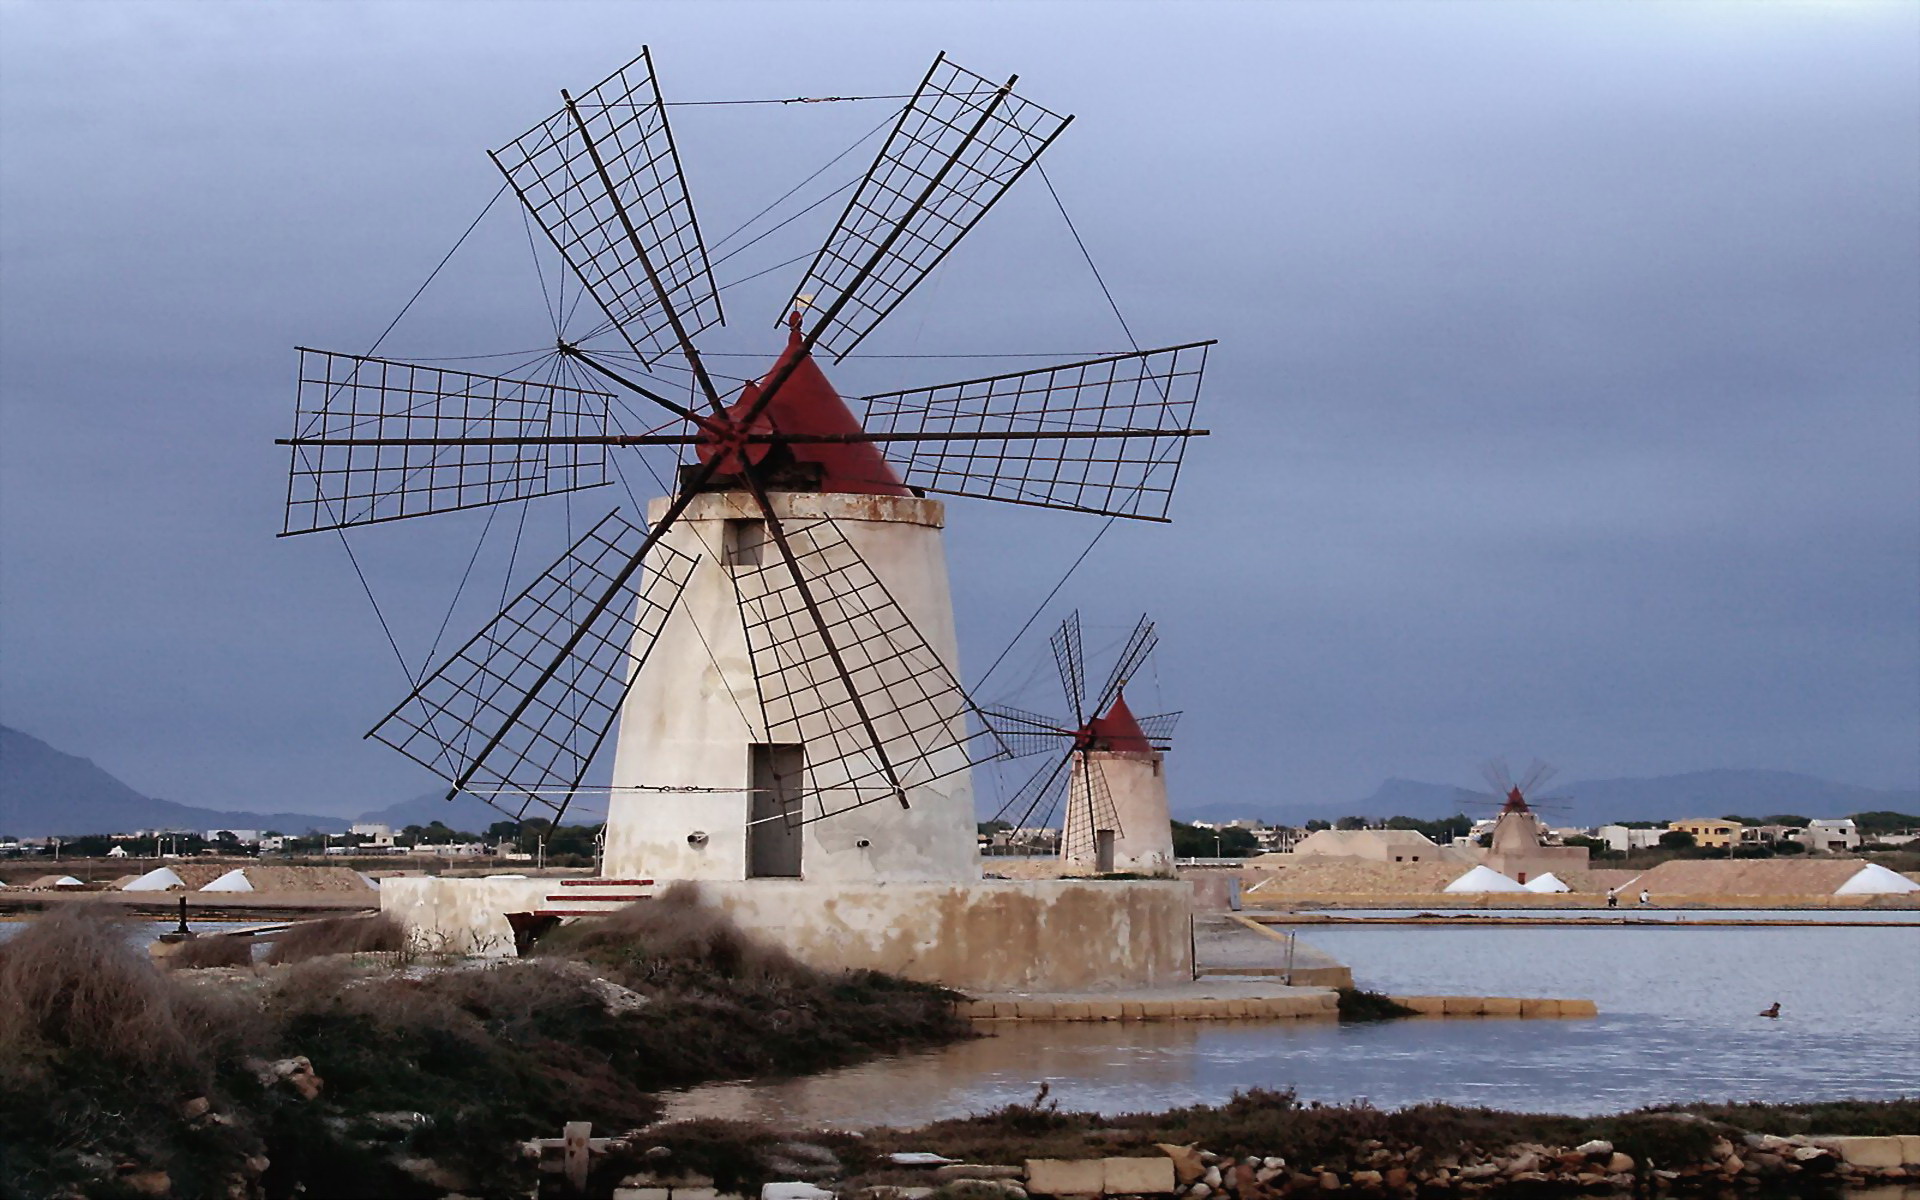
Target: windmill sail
[(1068, 656), (1101, 436), (516, 715), (1090, 809), (896, 714), (1140, 643), (958, 146), (378, 440), (1159, 728), (602, 177), (1025, 733)]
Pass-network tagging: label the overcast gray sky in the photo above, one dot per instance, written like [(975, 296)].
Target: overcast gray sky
[(1567, 401)]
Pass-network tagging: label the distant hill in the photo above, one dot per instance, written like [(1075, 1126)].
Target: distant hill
[(47, 793), (1658, 798), (462, 813)]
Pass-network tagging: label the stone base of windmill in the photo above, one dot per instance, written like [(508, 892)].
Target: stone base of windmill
[(1069, 935)]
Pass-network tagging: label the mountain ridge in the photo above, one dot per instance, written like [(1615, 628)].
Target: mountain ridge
[(46, 792)]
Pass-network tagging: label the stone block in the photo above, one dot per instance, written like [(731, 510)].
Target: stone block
[(1157, 1010), (1239, 1008), (1579, 1008), (1133, 1010), (1035, 1010), (1065, 1176), (1137, 1176), (1187, 1167), (1105, 1010), (696, 1193), (641, 1193), (791, 1190), (1499, 1006), (1461, 1006), (976, 1171), (1073, 1010), (1539, 1008), (1910, 1149), (1426, 1006), (1866, 1151), (1005, 1010)]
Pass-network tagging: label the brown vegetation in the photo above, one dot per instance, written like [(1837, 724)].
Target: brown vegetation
[(340, 1072), (337, 935), (212, 950)]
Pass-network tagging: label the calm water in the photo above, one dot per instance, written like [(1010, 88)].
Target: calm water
[(1677, 1024)]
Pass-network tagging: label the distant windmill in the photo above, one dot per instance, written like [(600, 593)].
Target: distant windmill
[(1106, 763), (776, 641)]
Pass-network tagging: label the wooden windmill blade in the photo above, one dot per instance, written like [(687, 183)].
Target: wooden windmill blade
[(1040, 794), (841, 669), (517, 714), (1024, 733), (959, 144), (1071, 659), (1092, 799), (1159, 728), (1140, 643), (379, 440), (1105, 435), (602, 178)]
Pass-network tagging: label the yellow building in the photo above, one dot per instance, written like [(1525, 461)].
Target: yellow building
[(1715, 832)]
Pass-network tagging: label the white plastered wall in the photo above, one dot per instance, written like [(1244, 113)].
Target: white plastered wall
[(694, 711)]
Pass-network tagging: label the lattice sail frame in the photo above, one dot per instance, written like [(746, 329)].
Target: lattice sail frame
[(562, 178), (1089, 795), (380, 440), (917, 707), (540, 687), (1132, 476), (959, 144)]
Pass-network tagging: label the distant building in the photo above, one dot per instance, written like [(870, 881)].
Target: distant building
[(1715, 833), (1828, 836), (1622, 840), (245, 837), (373, 834)]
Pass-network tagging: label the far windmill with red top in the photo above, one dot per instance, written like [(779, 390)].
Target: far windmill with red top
[(1109, 768)]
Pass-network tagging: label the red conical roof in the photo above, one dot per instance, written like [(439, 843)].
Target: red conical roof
[(807, 403), (1118, 730)]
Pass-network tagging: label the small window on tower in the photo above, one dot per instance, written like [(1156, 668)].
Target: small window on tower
[(745, 538)]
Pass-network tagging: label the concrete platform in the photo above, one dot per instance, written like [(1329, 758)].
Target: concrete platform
[(1212, 998)]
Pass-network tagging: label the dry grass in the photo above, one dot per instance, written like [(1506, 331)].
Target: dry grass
[(676, 927), (71, 983), (337, 935)]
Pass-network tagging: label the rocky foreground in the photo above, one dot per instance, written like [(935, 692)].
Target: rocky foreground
[(1434, 1152)]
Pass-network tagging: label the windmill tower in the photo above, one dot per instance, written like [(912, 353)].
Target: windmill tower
[(1106, 764), (1519, 844), (776, 641)]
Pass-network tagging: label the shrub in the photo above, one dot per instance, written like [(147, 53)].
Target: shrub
[(1357, 1004), (675, 931), (213, 950), (337, 935)]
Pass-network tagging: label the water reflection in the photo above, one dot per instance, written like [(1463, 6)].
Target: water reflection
[(1678, 1024)]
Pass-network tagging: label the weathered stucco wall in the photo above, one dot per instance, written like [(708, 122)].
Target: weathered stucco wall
[(1143, 841), (998, 935), (461, 915), (695, 709)]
